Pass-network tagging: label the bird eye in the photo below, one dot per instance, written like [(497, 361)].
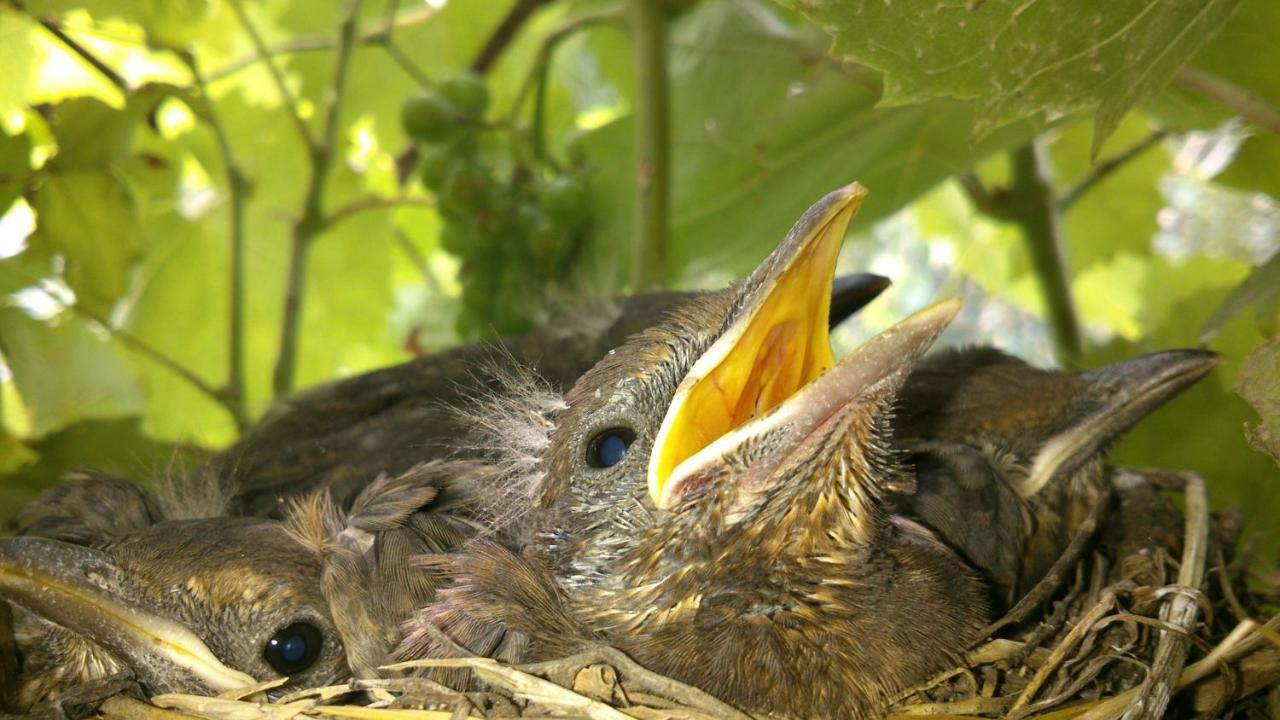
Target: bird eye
[(293, 649), (609, 447)]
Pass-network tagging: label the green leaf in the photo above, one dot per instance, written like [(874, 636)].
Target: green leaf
[(168, 23), (116, 447), (1018, 59), (1259, 385), (1256, 166), (1261, 290), (65, 373), (751, 156), (89, 217), (93, 135), (14, 455), (15, 166)]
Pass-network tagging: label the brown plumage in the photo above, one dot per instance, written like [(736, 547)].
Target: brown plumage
[(341, 434), (1008, 458), (728, 505), (104, 583)]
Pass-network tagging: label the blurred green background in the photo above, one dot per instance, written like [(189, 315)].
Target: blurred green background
[(359, 183)]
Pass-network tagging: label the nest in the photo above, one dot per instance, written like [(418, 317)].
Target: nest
[(1098, 638)]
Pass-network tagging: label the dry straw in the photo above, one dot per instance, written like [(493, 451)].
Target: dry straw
[(1093, 641)]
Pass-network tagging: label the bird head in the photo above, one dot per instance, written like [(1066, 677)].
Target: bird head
[(732, 420), (201, 606), (104, 583)]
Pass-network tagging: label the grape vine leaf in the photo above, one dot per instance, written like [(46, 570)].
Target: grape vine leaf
[(89, 217), (749, 157), (65, 372), (1021, 58), (15, 164), (1259, 385), (1261, 290)]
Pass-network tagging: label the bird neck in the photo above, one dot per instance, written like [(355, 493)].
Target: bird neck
[(809, 626)]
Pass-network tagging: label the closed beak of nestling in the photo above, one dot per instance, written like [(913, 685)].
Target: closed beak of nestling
[(1119, 396), (80, 589)]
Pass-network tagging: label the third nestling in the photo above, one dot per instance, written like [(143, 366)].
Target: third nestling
[(110, 582)]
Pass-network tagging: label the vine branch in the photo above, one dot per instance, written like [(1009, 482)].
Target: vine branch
[(652, 139), (536, 81), (374, 202), (502, 35), (238, 188), (1231, 96), (1029, 202), (311, 223), (1104, 169), (277, 77), (85, 54), (142, 347), (398, 56), (320, 43)]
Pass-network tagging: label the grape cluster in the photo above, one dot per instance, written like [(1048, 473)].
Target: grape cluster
[(514, 224)]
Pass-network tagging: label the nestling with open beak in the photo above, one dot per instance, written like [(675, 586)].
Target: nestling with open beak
[(341, 434), (726, 503), (109, 581)]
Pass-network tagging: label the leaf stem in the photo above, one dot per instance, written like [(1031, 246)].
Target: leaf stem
[(374, 202), (142, 347), (1103, 169), (1235, 98), (277, 77), (311, 223), (238, 187), (83, 53), (502, 35), (652, 144)]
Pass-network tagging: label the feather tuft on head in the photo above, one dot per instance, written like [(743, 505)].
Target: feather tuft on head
[(315, 522), (510, 426)]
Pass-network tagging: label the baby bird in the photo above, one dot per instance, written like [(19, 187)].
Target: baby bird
[(341, 434), (725, 502), (109, 580)]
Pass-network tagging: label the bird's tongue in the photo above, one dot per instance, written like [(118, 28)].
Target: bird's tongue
[(775, 343)]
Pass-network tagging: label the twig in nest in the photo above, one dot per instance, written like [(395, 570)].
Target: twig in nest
[(1083, 627), (1180, 611), (522, 684), (643, 679)]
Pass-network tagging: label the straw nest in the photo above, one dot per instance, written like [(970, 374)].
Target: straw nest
[(1099, 638)]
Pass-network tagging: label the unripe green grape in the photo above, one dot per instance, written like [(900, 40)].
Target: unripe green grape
[(567, 201), (468, 186), (455, 238), (437, 164), (426, 116), (468, 95)]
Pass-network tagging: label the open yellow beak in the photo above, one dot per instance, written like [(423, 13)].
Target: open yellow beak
[(777, 344)]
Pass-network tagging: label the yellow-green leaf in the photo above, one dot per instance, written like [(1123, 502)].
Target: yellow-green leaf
[(89, 217), (1018, 59)]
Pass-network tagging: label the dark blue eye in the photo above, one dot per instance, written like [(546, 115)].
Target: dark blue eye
[(293, 649), (609, 447)]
